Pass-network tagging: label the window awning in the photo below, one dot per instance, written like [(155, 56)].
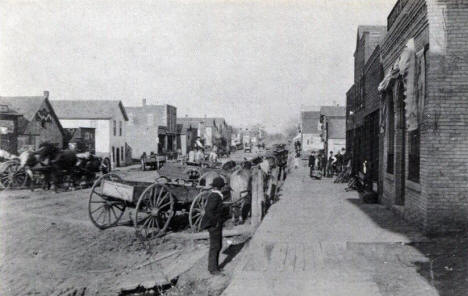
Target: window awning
[(401, 67), (405, 67)]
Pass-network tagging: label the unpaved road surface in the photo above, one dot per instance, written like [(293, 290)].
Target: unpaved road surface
[(48, 246)]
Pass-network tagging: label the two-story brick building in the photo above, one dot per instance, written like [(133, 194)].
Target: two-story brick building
[(363, 102), (424, 113), (152, 128)]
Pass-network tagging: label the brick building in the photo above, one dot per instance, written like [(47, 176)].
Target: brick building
[(152, 128), (363, 102), (424, 113)]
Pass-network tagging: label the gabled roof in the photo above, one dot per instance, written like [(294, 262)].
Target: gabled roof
[(88, 109), (333, 111), (29, 106), (26, 106), (310, 121)]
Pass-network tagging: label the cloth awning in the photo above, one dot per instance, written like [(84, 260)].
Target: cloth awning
[(405, 67), (392, 75)]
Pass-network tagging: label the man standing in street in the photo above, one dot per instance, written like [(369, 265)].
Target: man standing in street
[(311, 163), (199, 156), (323, 157), (331, 161), (213, 222)]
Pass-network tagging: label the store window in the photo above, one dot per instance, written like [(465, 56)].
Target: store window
[(390, 135), (414, 140), (115, 127)]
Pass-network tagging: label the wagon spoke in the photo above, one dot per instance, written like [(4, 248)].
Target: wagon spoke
[(198, 221), (99, 216), (164, 205), (113, 212), (146, 220), (98, 201), (96, 209), (120, 207), (151, 194), (157, 223), (160, 193)]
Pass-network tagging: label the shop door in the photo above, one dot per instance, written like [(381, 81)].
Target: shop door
[(117, 161)]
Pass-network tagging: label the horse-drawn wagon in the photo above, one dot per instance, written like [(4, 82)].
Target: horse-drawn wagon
[(11, 176), (153, 161), (50, 166), (178, 190)]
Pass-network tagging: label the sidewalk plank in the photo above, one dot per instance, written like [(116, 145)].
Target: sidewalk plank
[(318, 240)]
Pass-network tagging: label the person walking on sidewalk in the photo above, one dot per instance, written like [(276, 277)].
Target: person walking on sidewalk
[(311, 163), (213, 222)]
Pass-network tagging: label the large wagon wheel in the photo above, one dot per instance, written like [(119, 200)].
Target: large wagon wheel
[(197, 210), (105, 211), (154, 211), (12, 175)]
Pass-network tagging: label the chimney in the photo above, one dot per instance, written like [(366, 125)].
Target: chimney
[(46, 94), (144, 102), (186, 115)]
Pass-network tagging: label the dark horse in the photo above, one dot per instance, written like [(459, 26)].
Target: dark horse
[(61, 163)]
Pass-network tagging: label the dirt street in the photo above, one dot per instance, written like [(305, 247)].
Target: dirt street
[(49, 246)]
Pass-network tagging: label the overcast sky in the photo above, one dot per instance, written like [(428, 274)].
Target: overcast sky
[(248, 61)]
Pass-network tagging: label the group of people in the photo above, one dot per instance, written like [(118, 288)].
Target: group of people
[(197, 155), (328, 166)]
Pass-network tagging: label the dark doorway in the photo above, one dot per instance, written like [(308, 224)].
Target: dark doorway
[(117, 161), (400, 194)]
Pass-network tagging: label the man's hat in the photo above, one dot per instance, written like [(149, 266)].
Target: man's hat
[(218, 182)]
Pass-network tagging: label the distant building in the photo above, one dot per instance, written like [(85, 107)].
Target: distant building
[(212, 130), (333, 120), (311, 131), (108, 118), (26, 122), (186, 137), (152, 128)]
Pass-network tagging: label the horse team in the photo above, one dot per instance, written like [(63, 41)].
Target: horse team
[(54, 168)]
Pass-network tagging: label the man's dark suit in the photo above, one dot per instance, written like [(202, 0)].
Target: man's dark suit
[(213, 222), (311, 164)]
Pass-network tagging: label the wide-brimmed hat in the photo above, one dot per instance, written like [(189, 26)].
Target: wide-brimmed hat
[(218, 182)]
